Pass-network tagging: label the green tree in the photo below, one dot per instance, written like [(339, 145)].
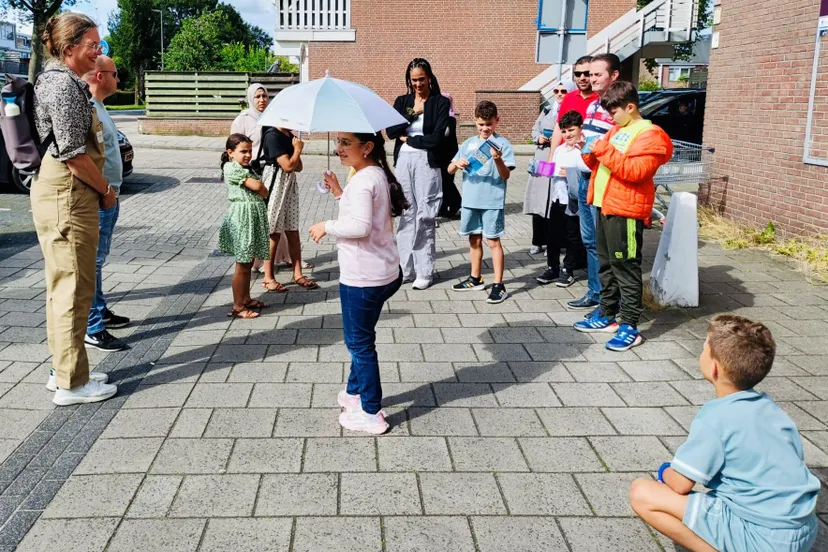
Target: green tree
[(135, 39), (235, 57), (198, 45), (38, 13)]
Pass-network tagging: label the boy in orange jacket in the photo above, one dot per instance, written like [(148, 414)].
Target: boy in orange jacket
[(623, 164)]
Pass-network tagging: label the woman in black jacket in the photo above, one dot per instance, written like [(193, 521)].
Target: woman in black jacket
[(452, 200), (417, 160)]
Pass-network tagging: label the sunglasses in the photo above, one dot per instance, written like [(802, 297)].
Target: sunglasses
[(560, 91), (580, 73), (114, 73)]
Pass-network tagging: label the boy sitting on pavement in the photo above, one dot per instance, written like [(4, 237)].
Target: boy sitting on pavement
[(623, 164), (484, 199), (742, 447), (564, 225)]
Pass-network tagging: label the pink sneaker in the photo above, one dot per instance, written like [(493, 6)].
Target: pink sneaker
[(350, 403), (360, 420)]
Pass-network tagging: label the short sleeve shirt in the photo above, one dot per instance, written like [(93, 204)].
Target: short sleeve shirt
[(597, 120), (62, 107), (748, 452), (276, 143), (574, 101), (485, 189), (113, 170)]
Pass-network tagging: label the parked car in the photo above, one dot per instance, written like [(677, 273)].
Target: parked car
[(679, 112), (12, 180)]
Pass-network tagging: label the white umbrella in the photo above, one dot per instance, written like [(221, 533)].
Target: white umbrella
[(330, 105)]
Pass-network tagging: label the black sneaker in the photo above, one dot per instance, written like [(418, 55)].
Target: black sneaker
[(104, 341), (566, 279), (469, 284), (112, 320), (549, 275), (498, 294), (583, 303)]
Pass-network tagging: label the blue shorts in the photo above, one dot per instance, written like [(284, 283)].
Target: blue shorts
[(711, 519), (489, 222)]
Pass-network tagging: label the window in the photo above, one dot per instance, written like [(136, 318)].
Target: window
[(679, 74)]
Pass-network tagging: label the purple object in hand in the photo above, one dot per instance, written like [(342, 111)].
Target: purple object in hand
[(545, 168)]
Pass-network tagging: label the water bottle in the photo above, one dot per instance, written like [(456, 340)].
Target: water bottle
[(10, 108)]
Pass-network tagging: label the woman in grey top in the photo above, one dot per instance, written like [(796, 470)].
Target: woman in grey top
[(66, 194), (536, 201)]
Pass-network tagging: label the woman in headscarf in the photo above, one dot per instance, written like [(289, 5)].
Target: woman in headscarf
[(536, 201), (247, 121)]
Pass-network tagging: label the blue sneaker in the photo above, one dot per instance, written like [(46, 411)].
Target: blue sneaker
[(597, 324), (626, 338)]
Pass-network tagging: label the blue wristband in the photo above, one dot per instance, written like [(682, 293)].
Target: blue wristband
[(661, 469)]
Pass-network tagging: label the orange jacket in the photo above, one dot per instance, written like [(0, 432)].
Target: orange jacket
[(630, 192)]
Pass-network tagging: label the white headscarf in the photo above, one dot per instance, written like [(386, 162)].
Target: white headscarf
[(245, 123), (251, 99), (568, 84)]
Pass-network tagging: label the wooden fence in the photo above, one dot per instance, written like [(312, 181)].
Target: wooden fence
[(205, 95)]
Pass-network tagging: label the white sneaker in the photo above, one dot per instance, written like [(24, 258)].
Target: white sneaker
[(51, 385), (359, 420), (348, 402), (421, 283), (92, 391)]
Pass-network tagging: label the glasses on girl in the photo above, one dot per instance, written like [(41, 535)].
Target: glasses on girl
[(345, 142)]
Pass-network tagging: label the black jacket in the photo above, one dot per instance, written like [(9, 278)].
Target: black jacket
[(435, 122)]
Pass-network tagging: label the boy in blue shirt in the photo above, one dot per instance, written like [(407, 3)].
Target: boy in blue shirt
[(484, 199), (743, 448)]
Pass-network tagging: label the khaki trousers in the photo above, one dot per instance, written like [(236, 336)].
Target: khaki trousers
[(65, 213)]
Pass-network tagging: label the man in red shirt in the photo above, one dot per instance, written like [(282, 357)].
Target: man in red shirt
[(577, 100)]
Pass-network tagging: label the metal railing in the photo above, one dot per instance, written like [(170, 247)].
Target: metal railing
[(317, 15)]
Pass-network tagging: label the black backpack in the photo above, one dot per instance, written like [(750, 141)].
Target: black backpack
[(23, 144)]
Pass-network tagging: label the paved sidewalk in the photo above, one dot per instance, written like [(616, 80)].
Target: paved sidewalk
[(511, 432)]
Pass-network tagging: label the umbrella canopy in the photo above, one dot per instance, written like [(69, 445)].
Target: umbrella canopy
[(330, 105)]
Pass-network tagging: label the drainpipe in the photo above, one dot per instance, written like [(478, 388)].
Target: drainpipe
[(561, 35)]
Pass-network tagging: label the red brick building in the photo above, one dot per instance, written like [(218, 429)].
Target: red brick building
[(478, 48), (758, 93)]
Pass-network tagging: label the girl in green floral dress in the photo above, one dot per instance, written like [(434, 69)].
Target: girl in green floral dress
[(244, 231)]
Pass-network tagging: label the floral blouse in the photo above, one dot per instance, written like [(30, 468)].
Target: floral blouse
[(62, 106)]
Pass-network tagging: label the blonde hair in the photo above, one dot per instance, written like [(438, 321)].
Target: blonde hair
[(744, 348), (64, 30)]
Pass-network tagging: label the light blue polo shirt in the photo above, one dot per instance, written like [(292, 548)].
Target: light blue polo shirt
[(113, 170), (485, 189), (748, 452)]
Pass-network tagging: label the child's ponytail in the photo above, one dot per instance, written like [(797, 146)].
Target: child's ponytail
[(398, 201), (225, 158)]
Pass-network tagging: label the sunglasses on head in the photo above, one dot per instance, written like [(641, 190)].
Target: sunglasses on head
[(580, 73)]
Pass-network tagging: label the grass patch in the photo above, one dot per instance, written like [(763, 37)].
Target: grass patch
[(810, 254), (649, 300), (124, 107)]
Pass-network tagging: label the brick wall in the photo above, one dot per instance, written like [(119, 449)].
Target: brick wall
[(757, 102), (184, 127), (604, 12), (517, 111)]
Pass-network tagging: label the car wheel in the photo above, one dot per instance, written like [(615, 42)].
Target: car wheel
[(22, 180)]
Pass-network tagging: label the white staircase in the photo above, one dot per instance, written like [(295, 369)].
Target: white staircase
[(661, 23)]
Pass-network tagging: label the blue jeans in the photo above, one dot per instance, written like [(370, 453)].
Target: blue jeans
[(361, 308), (108, 218), (588, 215)]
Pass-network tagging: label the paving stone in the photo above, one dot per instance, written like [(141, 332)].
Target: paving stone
[(654, 370), (20, 397), (379, 494), (306, 494), (599, 535), (609, 493), (86, 496), (426, 372), (441, 421), (188, 339), (542, 494), (516, 335), (266, 456), (69, 535), (184, 355), (465, 394), (257, 372), (630, 453), (596, 372), (220, 395), (159, 396), (136, 535), (120, 456), (587, 394), (271, 395), (560, 454), (174, 373), (466, 335), (684, 415), (417, 335), (517, 534), (15, 371), (649, 394), (241, 422), (216, 496), (494, 372), (486, 454), (784, 389), (460, 493), (505, 352), (454, 352), (247, 535), (18, 424), (341, 533), (525, 395), (155, 496), (315, 373), (191, 422), (216, 372), (505, 422), (307, 422), (575, 422), (415, 534), (155, 422), (344, 454), (438, 320), (697, 392), (405, 395), (192, 456), (643, 421), (540, 372)]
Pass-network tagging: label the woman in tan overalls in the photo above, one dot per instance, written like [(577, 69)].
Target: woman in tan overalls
[(65, 197)]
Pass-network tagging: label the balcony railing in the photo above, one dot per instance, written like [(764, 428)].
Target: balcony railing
[(312, 15)]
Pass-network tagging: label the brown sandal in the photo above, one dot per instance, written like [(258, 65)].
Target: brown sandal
[(243, 313), (255, 304), (273, 285), (306, 283)]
